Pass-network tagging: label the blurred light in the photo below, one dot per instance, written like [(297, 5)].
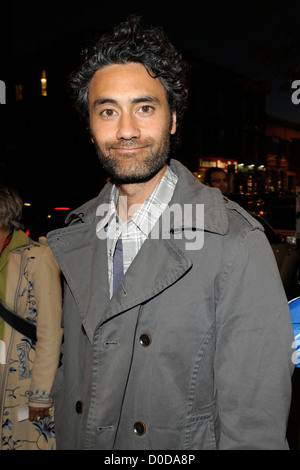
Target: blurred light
[(27, 232), (261, 212), (19, 92), (62, 208), (44, 84), (27, 204)]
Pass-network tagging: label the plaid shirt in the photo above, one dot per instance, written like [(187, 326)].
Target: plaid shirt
[(135, 230)]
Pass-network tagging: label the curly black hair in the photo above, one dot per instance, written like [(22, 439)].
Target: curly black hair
[(130, 42)]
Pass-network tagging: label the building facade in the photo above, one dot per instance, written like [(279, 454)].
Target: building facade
[(282, 155), (225, 125)]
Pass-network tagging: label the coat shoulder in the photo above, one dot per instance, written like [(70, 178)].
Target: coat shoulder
[(32, 248), (235, 211), (35, 252)]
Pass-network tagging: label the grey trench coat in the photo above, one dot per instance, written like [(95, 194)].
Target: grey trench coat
[(193, 351)]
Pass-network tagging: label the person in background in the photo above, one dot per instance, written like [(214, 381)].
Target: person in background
[(217, 178), (30, 285), (177, 331)]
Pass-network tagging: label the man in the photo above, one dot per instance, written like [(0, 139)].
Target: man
[(169, 343), (217, 178)]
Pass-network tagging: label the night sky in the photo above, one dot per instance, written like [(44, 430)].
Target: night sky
[(260, 39)]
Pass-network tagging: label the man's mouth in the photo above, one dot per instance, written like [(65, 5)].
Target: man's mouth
[(130, 145), (127, 149)]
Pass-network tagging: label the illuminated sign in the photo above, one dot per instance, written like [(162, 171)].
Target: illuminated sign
[(206, 163)]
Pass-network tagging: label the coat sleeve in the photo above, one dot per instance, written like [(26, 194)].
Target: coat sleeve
[(47, 287), (253, 365)]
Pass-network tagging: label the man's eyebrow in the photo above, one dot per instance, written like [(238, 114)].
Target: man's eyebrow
[(146, 99), (99, 101), (141, 99)]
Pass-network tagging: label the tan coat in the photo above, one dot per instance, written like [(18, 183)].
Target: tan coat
[(33, 290)]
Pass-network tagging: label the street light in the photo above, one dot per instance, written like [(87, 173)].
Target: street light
[(44, 83)]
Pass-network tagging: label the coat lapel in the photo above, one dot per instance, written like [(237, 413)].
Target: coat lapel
[(84, 264), (83, 260), (158, 264)]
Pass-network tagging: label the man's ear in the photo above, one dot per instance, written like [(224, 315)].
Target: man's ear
[(173, 123)]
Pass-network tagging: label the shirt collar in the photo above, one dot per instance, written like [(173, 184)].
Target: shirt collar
[(149, 212)]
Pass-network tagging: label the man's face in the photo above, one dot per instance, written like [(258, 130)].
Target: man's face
[(130, 122), (218, 179)]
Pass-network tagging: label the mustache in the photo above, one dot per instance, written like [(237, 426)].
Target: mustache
[(129, 144)]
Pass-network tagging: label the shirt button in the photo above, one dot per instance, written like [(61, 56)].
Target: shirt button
[(139, 428), (145, 339), (79, 407)]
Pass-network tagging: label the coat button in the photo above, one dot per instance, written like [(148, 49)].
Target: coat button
[(79, 407), (145, 339), (139, 428)]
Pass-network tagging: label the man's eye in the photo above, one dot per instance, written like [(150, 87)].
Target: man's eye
[(107, 112), (146, 109)]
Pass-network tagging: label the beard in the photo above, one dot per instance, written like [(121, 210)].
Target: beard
[(128, 168)]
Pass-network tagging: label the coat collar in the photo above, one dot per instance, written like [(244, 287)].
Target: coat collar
[(187, 191), (160, 263), (191, 191)]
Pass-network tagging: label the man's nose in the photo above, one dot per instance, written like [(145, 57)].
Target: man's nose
[(128, 127)]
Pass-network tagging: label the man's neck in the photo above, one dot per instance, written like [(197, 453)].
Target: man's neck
[(132, 196)]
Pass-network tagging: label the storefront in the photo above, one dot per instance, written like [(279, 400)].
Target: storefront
[(274, 176), (230, 166), (242, 178)]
